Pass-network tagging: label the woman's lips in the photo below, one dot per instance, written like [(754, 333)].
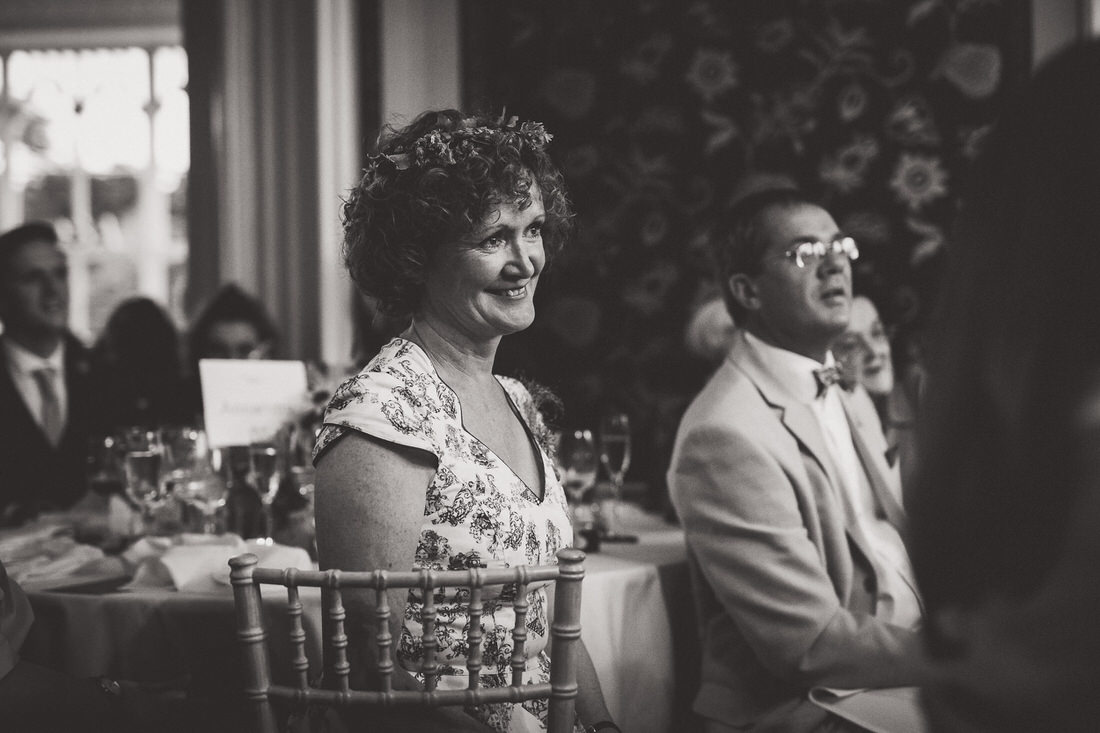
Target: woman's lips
[(517, 292)]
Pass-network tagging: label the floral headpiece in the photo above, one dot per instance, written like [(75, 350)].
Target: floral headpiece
[(447, 147)]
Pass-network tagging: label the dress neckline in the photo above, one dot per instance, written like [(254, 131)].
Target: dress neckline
[(532, 495)]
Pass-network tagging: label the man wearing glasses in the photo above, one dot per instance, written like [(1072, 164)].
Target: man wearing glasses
[(794, 531)]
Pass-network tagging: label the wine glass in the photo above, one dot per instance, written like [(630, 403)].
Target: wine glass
[(189, 473), (615, 457), (264, 478), (579, 462), (185, 454), (105, 454), (207, 493), (141, 466)]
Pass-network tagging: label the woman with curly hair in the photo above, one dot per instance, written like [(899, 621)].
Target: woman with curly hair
[(427, 459)]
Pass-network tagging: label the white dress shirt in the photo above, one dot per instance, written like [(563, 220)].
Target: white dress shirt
[(898, 600), (22, 365)]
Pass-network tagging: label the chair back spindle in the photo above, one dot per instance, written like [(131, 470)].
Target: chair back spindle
[(428, 666), (565, 632), (475, 636)]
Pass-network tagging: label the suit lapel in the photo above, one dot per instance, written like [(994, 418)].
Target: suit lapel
[(876, 470), (801, 422), (797, 417)]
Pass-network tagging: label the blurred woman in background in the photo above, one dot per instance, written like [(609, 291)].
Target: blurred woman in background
[(231, 325), (864, 356), (137, 370)]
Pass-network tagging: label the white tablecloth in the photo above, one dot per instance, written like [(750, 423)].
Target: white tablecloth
[(627, 626)]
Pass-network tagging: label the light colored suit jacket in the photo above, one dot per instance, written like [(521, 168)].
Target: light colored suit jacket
[(784, 591)]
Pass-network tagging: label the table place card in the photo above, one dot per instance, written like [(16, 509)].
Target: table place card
[(247, 400)]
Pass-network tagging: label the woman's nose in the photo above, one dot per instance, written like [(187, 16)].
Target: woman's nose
[(527, 259)]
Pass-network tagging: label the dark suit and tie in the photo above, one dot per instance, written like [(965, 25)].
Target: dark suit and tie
[(36, 471)]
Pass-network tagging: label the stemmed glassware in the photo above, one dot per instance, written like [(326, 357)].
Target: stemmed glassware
[(105, 453), (615, 457), (264, 478), (579, 462), (142, 453), (190, 476)]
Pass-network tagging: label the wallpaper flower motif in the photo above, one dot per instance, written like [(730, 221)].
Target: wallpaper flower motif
[(664, 111), (918, 180)]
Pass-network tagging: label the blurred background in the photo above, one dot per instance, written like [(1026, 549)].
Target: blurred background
[(178, 145)]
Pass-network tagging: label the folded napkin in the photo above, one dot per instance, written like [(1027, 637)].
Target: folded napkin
[(200, 563), (884, 710), (43, 551)]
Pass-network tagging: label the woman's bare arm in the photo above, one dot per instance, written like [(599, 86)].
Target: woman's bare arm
[(369, 507)]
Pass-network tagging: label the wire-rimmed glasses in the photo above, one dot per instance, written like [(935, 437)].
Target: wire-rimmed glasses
[(813, 252)]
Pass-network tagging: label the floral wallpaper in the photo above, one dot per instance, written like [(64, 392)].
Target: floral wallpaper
[(665, 111)]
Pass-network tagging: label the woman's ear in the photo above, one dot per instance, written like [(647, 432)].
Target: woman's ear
[(744, 291)]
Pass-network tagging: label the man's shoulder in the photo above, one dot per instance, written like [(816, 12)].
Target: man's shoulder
[(729, 396)]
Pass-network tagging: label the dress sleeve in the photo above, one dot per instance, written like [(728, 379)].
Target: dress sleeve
[(392, 401)]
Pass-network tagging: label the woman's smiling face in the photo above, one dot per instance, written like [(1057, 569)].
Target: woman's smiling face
[(483, 286), (863, 350)]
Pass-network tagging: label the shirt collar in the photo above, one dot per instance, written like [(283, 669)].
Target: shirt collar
[(27, 362), (794, 372)]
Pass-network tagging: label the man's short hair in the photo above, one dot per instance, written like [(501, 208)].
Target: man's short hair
[(15, 239), (737, 244)]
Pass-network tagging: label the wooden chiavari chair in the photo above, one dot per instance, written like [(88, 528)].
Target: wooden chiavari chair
[(259, 690)]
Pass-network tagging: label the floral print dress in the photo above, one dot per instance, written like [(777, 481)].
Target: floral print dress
[(477, 513)]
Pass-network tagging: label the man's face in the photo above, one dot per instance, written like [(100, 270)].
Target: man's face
[(34, 292), (800, 308)]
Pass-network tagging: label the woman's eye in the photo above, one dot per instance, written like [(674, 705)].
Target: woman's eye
[(492, 241), (534, 231)]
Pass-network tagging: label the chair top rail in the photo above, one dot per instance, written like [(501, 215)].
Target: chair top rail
[(480, 696), (380, 579)]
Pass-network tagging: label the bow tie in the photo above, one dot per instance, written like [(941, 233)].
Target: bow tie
[(825, 378)]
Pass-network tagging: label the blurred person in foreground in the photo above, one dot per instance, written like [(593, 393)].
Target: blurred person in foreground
[(427, 459), (1007, 507), (44, 386), (137, 370), (864, 356), (794, 530)]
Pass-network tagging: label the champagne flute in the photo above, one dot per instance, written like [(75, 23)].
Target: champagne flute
[(264, 478), (615, 457), (142, 471)]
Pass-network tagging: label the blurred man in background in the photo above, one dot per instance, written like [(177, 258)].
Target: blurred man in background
[(43, 378)]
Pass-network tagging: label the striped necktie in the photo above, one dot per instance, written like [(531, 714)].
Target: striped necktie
[(51, 406)]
